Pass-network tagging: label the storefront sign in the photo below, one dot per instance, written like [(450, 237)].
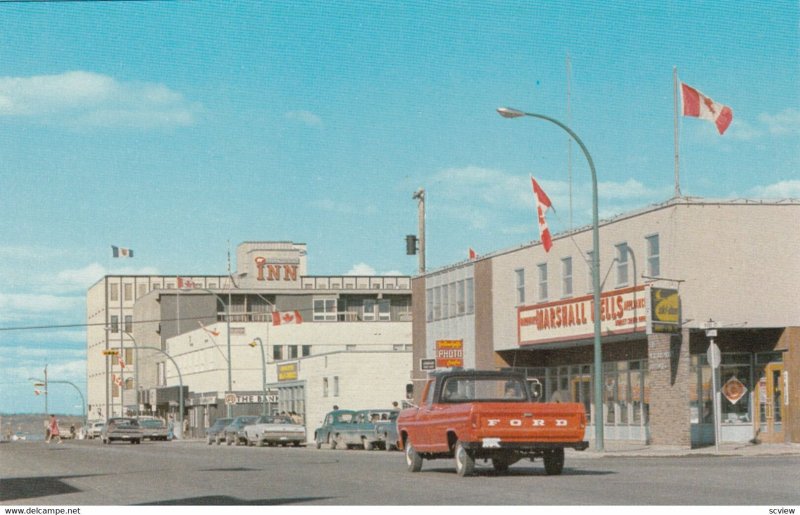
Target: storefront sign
[(287, 371), (427, 364), (275, 271), (449, 353), (621, 312), (272, 396), (665, 311), (734, 390)]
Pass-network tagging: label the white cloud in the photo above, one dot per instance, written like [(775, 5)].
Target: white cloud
[(785, 122), (87, 99), (305, 117), (365, 269), (778, 190)]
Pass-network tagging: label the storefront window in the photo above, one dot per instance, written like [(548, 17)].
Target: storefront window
[(735, 377)]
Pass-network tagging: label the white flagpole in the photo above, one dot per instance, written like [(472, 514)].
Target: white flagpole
[(677, 158), (569, 140)]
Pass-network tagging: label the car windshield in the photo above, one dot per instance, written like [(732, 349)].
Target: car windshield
[(245, 421), (123, 422), (277, 419), (152, 423), (222, 422)]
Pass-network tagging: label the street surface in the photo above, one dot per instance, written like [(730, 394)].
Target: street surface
[(190, 473)]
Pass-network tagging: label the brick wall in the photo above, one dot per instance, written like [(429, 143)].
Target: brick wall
[(668, 359)]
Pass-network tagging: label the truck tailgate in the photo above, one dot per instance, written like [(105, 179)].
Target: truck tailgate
[(524, 422)]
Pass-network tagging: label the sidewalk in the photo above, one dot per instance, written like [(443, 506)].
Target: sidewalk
[(639, 450)]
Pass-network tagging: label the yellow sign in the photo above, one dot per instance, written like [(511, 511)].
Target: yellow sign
[(287, 371), (110, 352), (449, 353), (665, 310)]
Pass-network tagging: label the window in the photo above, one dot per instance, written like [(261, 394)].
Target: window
[(142, 291), (127, 290), (520, 281), (161, 374), (445, 302), (542, 281), (325, 310), (429, 305), (437, 303), (460, 304), (128, 323), (128, 356), (452, 308), (324, 386), (114, 292), (622, 264), (277, 352), (293, 351), (350, 347), (114, 324), (384, 312), (306, 350), (653, 256), (566, 277), (470, 299), (335, 386)]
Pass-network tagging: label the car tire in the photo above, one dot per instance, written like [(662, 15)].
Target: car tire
[(413, 459), (554, 462), (333, 442), (465, 462), (317, 444)]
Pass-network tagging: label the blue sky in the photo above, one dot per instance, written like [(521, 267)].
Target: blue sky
[(174, 128)]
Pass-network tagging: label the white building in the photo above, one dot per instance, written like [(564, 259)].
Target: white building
[(351, 348)]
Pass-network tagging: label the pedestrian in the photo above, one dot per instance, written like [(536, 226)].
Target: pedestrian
[(185, 428), (54, 431), (171, 426), (335, 407)]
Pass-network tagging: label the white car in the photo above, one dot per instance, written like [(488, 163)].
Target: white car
[(95, 428), (275, 430)]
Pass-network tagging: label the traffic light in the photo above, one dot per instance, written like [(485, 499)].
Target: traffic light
[(110, 352), (411, 244)]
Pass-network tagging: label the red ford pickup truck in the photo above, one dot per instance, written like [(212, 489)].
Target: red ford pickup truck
[(471, 415)]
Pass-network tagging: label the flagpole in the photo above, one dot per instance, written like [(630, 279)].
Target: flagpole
[(569, 140), (675, 122)]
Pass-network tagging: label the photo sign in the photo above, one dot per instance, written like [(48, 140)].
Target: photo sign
[(449, 353), (621, 311)]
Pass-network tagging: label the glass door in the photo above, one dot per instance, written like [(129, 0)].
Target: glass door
[(771, 403)]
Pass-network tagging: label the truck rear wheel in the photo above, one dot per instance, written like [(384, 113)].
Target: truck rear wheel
[(554, 462), (465, 463), (413, 459)]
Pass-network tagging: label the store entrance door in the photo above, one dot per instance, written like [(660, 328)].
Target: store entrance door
[(772, 404)]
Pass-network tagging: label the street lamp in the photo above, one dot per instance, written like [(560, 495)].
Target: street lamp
[(180, 386), (263, 373), (508, 112), (83, 401), (228, 407)]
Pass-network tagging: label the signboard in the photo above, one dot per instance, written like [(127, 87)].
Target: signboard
[(713, 356), (449, 353), (734, 390), (287, 371), (665, 311), (621, 311), (230, 399), (427, 364)]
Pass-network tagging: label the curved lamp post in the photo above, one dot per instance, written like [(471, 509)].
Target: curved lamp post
[(83, 401), (263, 373), (180, 382), (508, 112), (135, 370), (228, 407)]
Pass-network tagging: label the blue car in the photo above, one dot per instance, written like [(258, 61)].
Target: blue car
[(326, 434)]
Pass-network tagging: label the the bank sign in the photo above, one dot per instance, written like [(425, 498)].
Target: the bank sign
[(622, 311)]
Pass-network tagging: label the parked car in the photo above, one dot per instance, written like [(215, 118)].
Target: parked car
[(153, 428), (215, 433), (357, 429), (94, 429), (275, 430), (234, 432), (325, 434), (122, 428), (386, 431)]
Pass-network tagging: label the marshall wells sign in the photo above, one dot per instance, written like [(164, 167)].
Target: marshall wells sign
[(621, 311)]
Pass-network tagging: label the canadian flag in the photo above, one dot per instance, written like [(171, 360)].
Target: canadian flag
[(206, 329), (700, 106), (37, 392), (121, 362), (184, 283), (472, 254), (286, 317), (542, 204)]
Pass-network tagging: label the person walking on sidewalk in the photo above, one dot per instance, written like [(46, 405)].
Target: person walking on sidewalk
[(54, 431)]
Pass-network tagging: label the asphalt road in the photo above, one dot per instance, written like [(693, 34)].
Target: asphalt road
[(190, 473)]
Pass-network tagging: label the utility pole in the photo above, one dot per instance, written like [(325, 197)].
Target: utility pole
[(419, 195)]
